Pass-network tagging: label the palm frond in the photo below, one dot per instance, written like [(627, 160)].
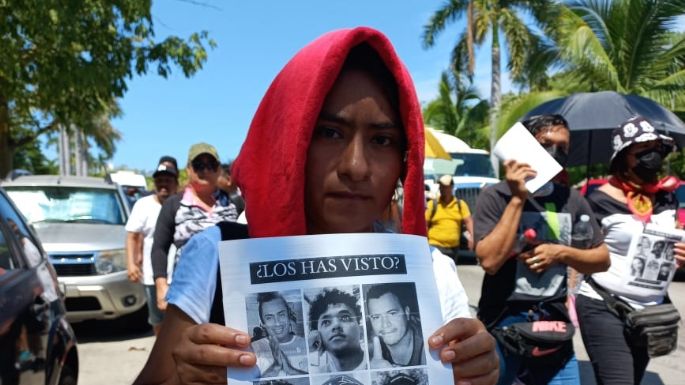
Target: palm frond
[(448, 12)]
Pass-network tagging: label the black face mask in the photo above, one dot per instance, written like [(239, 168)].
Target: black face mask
[(558, 154), (649, 163)]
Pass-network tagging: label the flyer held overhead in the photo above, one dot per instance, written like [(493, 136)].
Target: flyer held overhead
[(520, 145)]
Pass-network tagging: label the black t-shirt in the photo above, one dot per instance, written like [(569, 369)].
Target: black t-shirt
[(515, 287)]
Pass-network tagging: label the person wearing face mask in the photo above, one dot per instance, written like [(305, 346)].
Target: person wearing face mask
[(634, 197), (528, 284)]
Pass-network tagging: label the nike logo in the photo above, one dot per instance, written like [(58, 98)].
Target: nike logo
[(537, 352)]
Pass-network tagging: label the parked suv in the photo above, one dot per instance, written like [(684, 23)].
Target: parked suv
[(80, 221), (37, 344)]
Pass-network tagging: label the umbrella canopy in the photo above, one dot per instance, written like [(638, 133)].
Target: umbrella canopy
[(433, 147), (592, 116)]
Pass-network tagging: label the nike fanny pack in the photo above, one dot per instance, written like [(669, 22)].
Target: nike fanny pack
[(535, 339)]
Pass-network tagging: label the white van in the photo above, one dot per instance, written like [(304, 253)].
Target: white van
[(470, 167)]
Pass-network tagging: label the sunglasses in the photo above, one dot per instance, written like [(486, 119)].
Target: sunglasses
[(199, 166)]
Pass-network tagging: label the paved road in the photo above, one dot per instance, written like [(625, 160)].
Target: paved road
[(110, 355)]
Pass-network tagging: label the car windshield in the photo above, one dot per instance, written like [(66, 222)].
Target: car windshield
[(473, 165), (67, 204)]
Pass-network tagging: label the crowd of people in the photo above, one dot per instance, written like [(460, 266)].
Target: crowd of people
[(344, 129)]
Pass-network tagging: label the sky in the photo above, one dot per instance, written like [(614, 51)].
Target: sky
[(254, 41)]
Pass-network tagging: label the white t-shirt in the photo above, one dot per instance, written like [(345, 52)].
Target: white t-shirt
[(143, 220)]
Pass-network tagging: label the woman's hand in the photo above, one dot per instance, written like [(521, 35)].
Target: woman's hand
[(466, 344), (204, 351), (679, 254)]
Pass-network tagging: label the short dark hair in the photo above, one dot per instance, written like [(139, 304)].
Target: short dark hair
[(399, 290), (271, 296), (330, 297), (537, 123)]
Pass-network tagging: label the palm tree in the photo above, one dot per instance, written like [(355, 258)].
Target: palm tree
[(491, 17), (628, 46), (458, 110)]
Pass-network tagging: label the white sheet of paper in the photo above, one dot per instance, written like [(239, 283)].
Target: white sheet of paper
[(520, 145), (299, 268)]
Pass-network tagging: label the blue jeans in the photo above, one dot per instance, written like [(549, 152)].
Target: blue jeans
[(513, 366)]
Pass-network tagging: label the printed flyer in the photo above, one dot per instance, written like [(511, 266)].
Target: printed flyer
[(334, 309), (652, 262)]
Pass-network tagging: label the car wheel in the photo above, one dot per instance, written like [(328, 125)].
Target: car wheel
[(68, 376)]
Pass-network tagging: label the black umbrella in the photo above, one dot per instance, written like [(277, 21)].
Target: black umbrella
[(592, 116)]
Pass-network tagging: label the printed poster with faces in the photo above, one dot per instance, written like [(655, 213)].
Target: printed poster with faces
[(651, 260), (334, 309)]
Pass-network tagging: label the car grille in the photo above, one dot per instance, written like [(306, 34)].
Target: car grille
[(82, 303), (468, 194), (68, 270), (69, 265)]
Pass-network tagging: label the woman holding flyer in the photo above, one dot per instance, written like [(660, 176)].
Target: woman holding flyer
[(338, 128), (633, 202)]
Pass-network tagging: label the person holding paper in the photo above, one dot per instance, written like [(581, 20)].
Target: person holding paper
[(337, 129), (634, 198), (527, 282)]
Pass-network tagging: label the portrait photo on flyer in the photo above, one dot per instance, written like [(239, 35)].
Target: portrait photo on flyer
[(337, 308), (651, 260)]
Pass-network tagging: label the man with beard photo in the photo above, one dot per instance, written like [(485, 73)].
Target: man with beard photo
[(334, 320), (281, 352), (397, 338)]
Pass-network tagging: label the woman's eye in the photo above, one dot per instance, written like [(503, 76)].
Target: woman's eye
[(328, 132), (383, 140)]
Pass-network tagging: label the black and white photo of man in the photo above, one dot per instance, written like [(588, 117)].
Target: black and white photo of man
[(336, 333), (664, 271), (401, 377), (290, 381), (280, 351), (643, 248), (668, 252), (338, 379), (394, 326)]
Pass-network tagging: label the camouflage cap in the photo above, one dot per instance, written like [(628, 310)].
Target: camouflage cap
[(198, 149)]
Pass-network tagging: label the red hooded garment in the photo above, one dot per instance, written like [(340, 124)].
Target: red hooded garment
[(270, 169)]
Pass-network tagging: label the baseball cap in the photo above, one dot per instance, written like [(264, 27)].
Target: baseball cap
[(638, 130), (198, 149), (446, 180), (167, 164)]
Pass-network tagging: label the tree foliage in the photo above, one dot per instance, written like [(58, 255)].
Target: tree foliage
[(65, 62), (628, 46), (458, 110)]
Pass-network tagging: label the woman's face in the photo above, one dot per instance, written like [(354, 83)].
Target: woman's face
[(638, 264), (355, 157), (631, 157)]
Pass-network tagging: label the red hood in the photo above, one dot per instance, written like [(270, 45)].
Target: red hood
[(270, 169)]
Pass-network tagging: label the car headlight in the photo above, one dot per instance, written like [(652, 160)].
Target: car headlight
[(110, 261)]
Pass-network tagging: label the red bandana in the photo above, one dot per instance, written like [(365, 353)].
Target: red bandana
[(640, 196)]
